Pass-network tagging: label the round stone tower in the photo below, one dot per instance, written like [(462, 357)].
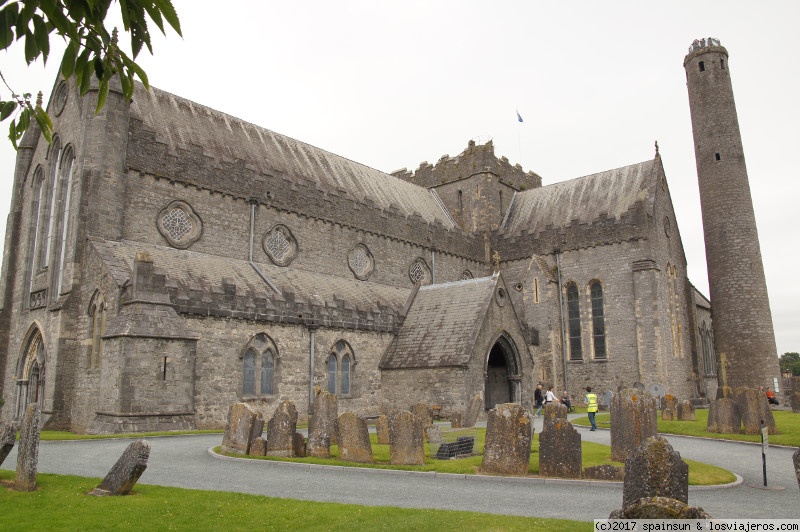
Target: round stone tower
[(743, 335)]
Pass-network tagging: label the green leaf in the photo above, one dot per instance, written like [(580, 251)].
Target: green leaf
[(31, 49), (141, 74), (68, 60), (168, 10), (102, 95), (8, 16), (155, 15), (6, 109), (12, 133), (45, 124), (42, 35)]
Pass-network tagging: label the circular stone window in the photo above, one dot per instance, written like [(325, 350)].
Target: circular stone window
[(60, 97), (178, 223), (280, 245), (361, 262)]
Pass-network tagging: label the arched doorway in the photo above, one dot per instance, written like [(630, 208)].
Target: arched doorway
[(501, 373), (30, 377)]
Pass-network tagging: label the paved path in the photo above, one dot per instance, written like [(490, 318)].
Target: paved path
[(184, 461)]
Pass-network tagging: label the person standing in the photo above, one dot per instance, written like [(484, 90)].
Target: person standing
[(549, 397), (590, 400), (538, 399)]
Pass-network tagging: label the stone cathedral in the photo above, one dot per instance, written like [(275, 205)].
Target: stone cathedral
[(163, 260)]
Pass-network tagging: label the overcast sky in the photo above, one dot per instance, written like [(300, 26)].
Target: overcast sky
[(392, 84)]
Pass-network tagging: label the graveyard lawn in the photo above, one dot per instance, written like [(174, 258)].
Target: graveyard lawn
[(61, 503), (788, 424), (593, 454)]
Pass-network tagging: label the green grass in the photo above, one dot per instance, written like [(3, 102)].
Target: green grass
[(788, 424), (592, 454), (61, 503)]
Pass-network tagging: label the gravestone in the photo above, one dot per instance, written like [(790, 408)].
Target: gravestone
[(605, 400), (434, 434), (382, 430), (243, 426), (473, 411), (669, 407), (723, 417), (753, 407), (686, 411), (8, 437), (322, 425), (794, 401), (660, 508), (407, 446), (258, 447), (796, 461), (724, 392), (28, 450), (280, 430), (456, 420), (126, 472), (553, 412), (633, 420), (507, 448), (354, 445), (560, 450), (424, 413), (603, 472), (299, 445), (655, 470)]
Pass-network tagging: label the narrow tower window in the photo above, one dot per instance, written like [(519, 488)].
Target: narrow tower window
[(717, 156), (702, 66), (574, 323), (722, 64), (598, 321)]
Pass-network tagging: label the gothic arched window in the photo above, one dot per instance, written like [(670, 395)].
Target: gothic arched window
[(598, 320), (340, 367), (574, 323), (260, 366)]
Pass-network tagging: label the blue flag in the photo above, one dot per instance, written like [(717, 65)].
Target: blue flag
[(519, 117)]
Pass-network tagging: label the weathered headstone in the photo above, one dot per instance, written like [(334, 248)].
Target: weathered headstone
[(669, 407), (655, 470), (605, 400), (424, 413), (299, 445), (322, 425), (382, 430), (407, 446), (456, 420), (753, 407), (507, 448), (603, 472), (686, 411), (796, 461), (473, 411), (280, 430), (553, 412), (126, 472), (434, 434), (8, 437), (723, 417), (633, 420), (659, 508), (724, 392), (258, 447), (28, 450), (243, 426), (354, 445), (794, 401), (560, 450)]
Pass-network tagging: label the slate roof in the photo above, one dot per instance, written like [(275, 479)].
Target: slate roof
[(584, 199), (181, 123), (188, 271), (442, 325)]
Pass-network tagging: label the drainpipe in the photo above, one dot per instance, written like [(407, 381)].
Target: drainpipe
[(561, 315), (253, 203), (311, 333), (433, 266)]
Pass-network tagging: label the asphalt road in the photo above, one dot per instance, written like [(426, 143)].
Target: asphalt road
[(185, 461)]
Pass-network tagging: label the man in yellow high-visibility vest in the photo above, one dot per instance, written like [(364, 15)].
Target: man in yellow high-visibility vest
[(590, 400)]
